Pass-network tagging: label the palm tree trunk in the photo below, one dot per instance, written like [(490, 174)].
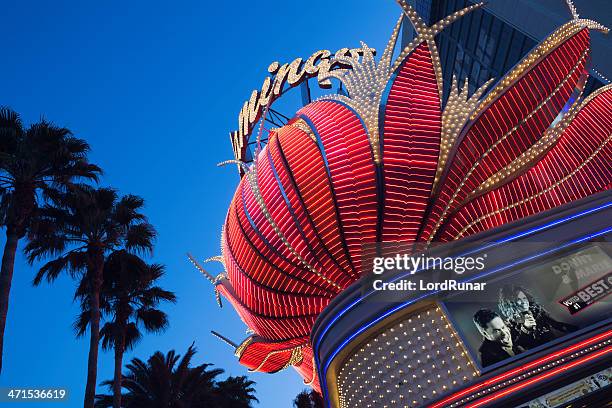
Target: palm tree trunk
[(94, 326), (6, 277), (119, 348)]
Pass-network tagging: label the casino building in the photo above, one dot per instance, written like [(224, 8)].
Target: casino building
[(514, 174)]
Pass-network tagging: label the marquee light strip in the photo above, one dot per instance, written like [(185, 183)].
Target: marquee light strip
[(252, 177), (539, 193), (345, 143), (456, 113), (585, 147), (365, 83), (548, 374), (286, 212), (523, 368), (264, 262), (295, 358), (547, 140), (410, 142), (502, 150), (253, 181), (333, 261), (310, 172), (254, 254)]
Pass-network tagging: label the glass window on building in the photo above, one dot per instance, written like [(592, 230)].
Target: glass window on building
[(502, 48), (483, 36), (466, 22), (459, 61), (466, 68), (528, 45), (455, 27), (483, 76), (514, 52), (475, 30), (475, 77)]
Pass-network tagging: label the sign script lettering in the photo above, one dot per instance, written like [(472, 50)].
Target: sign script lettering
[(317, 65)]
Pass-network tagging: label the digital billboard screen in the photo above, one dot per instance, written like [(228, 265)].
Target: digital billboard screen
[(530, 309)]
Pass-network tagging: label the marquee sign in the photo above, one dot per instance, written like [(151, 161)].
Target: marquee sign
[(537, 303), (319, 64)]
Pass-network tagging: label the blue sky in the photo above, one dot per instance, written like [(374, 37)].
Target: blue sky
[(155, 88)]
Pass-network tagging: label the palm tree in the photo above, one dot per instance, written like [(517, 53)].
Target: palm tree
[(308, 399), (169, 381), (33, 161), (129, 298), (235, 392), (78, 229)]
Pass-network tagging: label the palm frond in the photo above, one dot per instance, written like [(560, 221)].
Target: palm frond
[(52, 269), (153, 320), (132, 336), (108, 335), (140, 238), (81, 323), (154, 295)]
